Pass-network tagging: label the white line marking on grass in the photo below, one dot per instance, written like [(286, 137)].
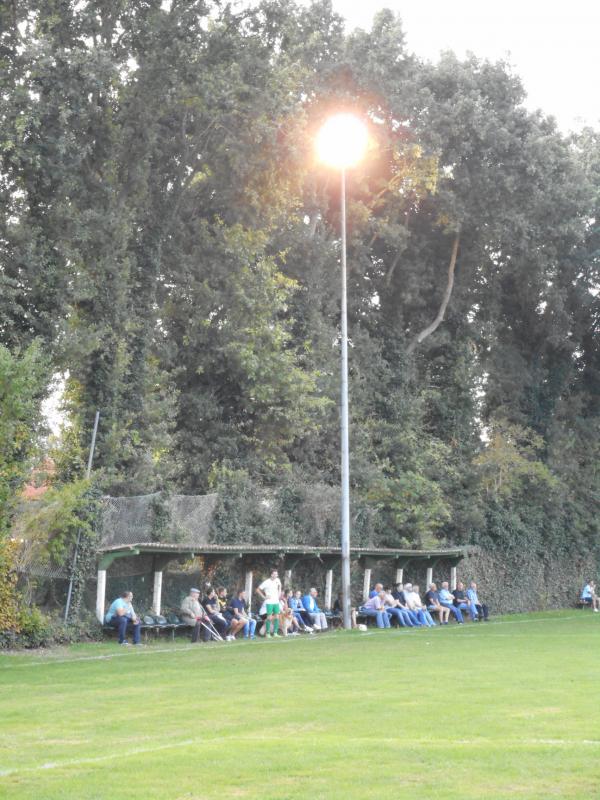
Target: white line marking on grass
[(74, 762), (521, 742), (105, 657), (129, 653), (526, 621), (134, 652)]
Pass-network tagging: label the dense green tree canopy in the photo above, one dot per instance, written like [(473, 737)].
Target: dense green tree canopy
[(169, 239)]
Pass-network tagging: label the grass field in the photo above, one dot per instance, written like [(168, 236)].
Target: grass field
[(504, 710)]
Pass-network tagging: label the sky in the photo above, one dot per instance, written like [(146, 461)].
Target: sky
[(553, 46)]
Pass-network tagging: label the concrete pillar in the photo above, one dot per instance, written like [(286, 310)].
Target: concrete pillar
[(248, 589), (287, 579), (400, 575), (429, 578), (328, 588), (367, 584), (452, 579), (157, 593), (101, 595)]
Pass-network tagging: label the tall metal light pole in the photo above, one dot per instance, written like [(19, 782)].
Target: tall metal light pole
[(341, 143)]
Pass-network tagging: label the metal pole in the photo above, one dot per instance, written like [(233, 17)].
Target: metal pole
[(88, 474), (345, 447)]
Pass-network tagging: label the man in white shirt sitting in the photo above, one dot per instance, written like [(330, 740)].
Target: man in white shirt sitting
[(415, 605)]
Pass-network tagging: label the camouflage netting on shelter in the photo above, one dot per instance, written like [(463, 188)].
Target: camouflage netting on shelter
[(185, 519)]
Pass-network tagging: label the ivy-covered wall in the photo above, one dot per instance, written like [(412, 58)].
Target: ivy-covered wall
[(522, 581)]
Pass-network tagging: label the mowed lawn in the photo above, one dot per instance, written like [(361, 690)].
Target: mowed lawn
[(510, 709)]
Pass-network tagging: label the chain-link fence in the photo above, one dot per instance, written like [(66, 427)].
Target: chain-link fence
[(132, 520)]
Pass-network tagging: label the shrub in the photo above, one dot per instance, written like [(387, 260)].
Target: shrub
[(40, 630), (9, 604)]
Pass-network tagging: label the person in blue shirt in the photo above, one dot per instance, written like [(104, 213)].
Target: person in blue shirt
[(447, 601), (589, 596), (121, 616), (294, 601), (319, 620), (482, 609)]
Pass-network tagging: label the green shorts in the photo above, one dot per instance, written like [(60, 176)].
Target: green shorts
[(272, 608)]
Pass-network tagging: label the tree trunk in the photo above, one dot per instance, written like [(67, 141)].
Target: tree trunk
[(445, 300)]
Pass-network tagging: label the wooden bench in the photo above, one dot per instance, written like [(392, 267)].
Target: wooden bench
[(584, 604), (156, 628)]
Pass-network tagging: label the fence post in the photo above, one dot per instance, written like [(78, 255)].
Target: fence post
[(101, 595), (328, 588), (453, 578), (157, 593), (366, 584), (248, 589)]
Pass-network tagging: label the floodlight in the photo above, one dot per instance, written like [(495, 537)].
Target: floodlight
[(342, 141)]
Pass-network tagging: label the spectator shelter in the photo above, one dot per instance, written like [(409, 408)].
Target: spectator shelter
[(284, 557), (130, 528)]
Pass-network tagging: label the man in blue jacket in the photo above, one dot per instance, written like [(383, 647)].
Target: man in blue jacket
[(319, 620)]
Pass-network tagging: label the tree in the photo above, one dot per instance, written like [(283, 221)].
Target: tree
[(23, 382)]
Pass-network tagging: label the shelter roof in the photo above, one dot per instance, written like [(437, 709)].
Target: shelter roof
[(161, 548)]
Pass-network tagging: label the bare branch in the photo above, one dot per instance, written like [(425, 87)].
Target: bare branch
[(445, 300), (390, 273)]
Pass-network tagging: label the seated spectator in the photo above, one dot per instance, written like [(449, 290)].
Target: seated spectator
[(447, 601), (309, 601), (234, 625), (462, 602), (391, 603), (215, 619), (121, 615), (432, 600), (412, 602), (589, 596), (414, 598), (375, 607), (287, 621), (401, 595), (301, 614), (239, 609), (482, 609), (397, 611), (338, 609), (194, 615)]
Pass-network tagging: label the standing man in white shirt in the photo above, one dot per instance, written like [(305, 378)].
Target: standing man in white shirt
[(270, 591)]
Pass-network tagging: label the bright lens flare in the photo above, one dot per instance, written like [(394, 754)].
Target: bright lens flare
[(342, 141)]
